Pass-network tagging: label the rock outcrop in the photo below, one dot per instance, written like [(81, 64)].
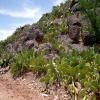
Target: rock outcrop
[(74, 28), (28, 39), (32, 38), (74, 6), (74, 22)]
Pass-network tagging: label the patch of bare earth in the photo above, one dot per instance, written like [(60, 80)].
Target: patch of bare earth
[(18, 89), (28, 87)]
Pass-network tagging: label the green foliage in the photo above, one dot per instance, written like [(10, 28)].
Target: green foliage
[(5, 59), (51, 76), (39, 64), (21, 62), (53, 30), (91, 9), (74, 67), (51, 24), (83, 67), (60, 11), (28, 61), (2, 45)]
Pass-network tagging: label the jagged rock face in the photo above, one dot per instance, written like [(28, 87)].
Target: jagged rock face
[(68, 45), (74, 6), (74, 22), (27, 40), (78, 22), (74, 28)]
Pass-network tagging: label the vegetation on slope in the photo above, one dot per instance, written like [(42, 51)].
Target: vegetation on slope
[(54, 23), (82, 67), (91, 9), (68, 68)]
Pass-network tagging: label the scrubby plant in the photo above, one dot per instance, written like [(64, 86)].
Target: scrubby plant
[(91, 10), (28, 61), (5, 57), (54, 23), (21, 62), (82, 67), (51, 75), (39, 64)]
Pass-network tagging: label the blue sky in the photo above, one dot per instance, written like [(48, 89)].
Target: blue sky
[(16, 13)]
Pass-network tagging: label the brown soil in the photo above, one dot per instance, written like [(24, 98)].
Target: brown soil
[(14, 89), (28, 87)]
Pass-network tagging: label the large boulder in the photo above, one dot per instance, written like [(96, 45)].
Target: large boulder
[(74, 28)]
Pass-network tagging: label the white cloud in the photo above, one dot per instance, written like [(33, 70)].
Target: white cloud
[(57, 2), (26, 12), (4, 33)]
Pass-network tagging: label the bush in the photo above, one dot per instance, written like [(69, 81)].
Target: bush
[(28, 61), (83, 67), (39, 64), (21, 62), (91, 10), (5, 58)]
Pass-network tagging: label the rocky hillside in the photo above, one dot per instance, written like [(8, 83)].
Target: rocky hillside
[(60, 49), (66, 19)]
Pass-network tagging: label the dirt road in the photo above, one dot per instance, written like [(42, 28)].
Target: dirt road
[(14, 90)]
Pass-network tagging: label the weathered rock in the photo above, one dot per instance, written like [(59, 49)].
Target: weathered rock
[(74, 8), (4, 70), (45, 46), (74, 28), (10, 48), (68, 45), (27, 40), (50, 52), (73, 3), (75, 22), (29, 44), (89, 39)]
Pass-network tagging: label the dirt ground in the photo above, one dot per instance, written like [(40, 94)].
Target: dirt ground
[(28, 87), (11, 89)]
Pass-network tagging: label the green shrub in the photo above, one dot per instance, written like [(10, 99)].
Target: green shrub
[(83, 67), (91, 10), (39, 64), (28, 61), (21, 62), (5, 58), (47, 23)]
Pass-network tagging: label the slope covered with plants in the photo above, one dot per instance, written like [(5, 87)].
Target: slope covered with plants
[(38, 48)]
